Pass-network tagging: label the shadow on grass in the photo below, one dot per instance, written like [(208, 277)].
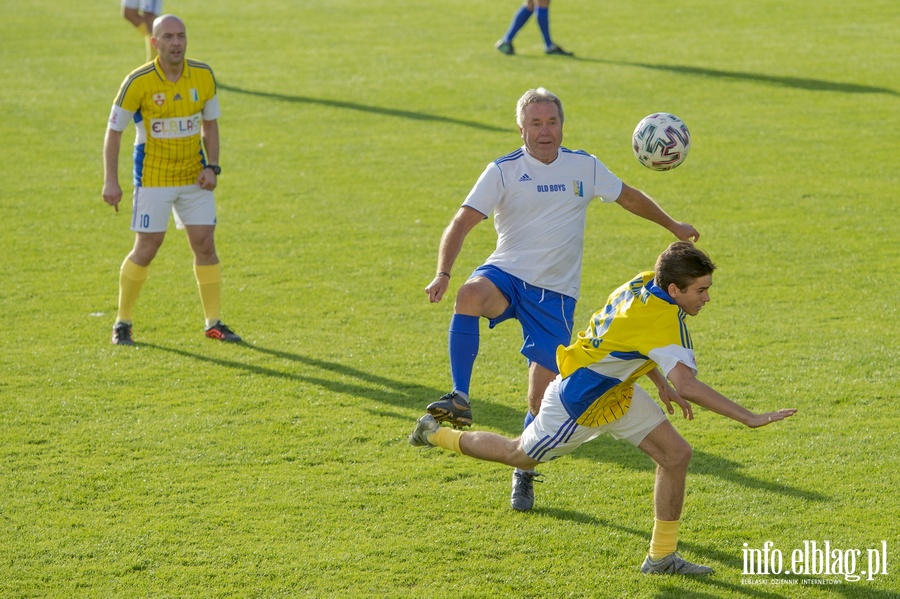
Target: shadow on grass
[(366, 385), (353, 382), (817, 85), (606, 449), (404, 394), (642, 537), (405, 114)]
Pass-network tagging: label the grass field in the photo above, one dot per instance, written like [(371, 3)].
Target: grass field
[(351, 133)]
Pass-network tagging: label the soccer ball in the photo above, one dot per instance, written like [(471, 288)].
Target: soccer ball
[(661, 141)]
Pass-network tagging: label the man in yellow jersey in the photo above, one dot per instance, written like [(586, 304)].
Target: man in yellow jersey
[(641, 328), (173, 104)]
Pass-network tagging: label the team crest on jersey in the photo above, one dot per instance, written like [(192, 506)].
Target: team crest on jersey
[(195, 97), (159, 99), (578, 188)]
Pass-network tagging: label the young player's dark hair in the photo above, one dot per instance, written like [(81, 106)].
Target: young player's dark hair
[(682, 263)]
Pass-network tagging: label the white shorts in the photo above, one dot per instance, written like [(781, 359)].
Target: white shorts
[(189, 204), (151, 6), (554, 433)]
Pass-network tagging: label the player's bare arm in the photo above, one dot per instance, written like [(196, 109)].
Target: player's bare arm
[(668, 395), (640, 204), (112, 191), (703, 395), (451, 245)]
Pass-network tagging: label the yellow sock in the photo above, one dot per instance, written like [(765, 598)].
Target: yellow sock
[(447, 438), (131, 279), (209, 282), (151, 51), (665, 538)]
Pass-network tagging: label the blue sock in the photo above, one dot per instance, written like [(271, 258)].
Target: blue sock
[(519, 19), (543, 19), (529, 418), (463, 345)]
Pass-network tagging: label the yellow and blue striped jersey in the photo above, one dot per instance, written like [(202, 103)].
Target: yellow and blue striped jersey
[(640, 327), (168, 150)]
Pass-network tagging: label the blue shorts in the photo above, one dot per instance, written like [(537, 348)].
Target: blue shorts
[(546, 316)]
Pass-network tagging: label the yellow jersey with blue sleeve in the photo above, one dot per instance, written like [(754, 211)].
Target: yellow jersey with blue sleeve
[(168, 151), (640, 327)]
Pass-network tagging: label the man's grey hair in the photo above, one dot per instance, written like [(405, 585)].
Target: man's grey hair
[(537, 96)]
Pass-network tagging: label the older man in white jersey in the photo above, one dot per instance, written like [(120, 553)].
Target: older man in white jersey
[(539, 196)]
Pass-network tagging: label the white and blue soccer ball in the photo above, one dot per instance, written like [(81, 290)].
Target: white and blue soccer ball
[(661, 141)]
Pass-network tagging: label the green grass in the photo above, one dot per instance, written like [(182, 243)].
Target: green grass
[(351, 132)]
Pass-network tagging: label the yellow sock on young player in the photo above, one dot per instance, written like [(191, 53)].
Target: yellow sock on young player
[(447, 438), (209, 283), (665, 538), (131, 279)]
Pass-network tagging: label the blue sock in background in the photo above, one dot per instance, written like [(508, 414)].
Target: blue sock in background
[(519, 19), (543, 19)]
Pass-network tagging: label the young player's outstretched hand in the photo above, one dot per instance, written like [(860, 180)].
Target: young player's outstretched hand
[(759, 420)]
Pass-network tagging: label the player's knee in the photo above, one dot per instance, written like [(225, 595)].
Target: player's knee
[(145, 248), (675, 455), (518, 458), (205, 253), (468, 300), (681, 454), (479, 297), (203, 244)]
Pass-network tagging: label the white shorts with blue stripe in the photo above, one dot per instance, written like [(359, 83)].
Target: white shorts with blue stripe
[(554, 433)]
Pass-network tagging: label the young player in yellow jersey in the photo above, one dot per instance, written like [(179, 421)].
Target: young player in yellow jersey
[(641, 331), (174, 106)]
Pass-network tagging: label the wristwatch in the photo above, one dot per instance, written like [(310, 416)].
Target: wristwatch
[(215, 168)]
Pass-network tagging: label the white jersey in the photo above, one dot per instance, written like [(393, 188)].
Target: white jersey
[(540, 213)]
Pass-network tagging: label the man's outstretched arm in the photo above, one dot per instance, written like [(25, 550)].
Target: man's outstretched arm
[(698, 392)]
